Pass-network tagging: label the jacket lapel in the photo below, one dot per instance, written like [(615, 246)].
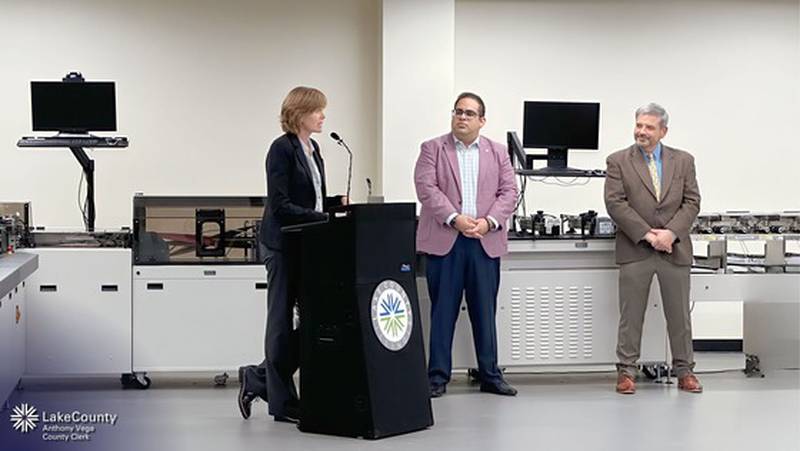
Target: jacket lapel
[(317, 155), (300, 156), (452, 159), (483, 163), (637, 159), (667, 169)]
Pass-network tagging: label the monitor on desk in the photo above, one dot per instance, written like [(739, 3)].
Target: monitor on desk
[(71, 107), (560, 126)]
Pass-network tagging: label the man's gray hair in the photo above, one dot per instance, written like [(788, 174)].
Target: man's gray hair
[(654, 109)]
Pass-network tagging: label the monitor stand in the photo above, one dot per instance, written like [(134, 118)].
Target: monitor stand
[(76, 144), (557, 166), (557, 158)]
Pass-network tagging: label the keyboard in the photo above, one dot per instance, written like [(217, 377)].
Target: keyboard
[(73, 141), (563, 172)]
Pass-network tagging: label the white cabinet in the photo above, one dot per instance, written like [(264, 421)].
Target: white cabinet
[(198, 318), (557, 317), (557, 305), (12, 339), (717, 308), (772, 319), (6, 348), (18, 321), (79, 312)]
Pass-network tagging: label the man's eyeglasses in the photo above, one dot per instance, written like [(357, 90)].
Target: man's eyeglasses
[(469, 114)]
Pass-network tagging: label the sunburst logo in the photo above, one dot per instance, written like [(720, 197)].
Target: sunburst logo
[(24, 418), (391, 315)]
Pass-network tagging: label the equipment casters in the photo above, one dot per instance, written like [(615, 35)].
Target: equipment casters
[(135, 380)]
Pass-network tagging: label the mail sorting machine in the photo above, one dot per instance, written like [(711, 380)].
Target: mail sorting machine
[(199, 285), (558, 303), (182, 290), (15, 271), (755, 261), (77, 303), (754, 243)]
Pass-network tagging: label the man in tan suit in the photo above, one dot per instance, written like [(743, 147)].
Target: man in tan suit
[(651, 193)]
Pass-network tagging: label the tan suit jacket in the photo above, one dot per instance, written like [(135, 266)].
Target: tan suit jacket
[(631, 202)]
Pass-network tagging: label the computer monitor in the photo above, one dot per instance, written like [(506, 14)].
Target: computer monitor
[(559, 126), (73, 107)]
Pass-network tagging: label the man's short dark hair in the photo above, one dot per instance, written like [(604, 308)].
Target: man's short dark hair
[(475, 97)]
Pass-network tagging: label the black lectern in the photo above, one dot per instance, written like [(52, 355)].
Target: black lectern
[(362, 362)]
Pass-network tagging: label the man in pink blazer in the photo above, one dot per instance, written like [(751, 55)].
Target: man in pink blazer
[(466, 185)]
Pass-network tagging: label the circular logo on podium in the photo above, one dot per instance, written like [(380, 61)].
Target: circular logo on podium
[(392, 318)]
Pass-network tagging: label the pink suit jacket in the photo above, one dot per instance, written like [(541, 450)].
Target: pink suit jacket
[(438, 182)]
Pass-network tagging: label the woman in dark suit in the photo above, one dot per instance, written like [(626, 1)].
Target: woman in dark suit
[(295, 194)]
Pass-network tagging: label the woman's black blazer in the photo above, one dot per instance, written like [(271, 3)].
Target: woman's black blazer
[(290, 189)]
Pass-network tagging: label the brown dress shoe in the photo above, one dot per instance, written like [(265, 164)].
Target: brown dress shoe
[(690, 383), (625, 384)]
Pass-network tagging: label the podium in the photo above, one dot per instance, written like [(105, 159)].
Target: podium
[(362, 361)]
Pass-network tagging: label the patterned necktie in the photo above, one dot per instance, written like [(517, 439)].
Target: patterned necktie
[(651, 166)]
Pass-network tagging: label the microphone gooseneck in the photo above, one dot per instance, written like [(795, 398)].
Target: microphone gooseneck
[(335, 136)]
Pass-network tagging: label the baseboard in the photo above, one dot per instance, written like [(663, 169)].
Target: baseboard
[(718, 345)]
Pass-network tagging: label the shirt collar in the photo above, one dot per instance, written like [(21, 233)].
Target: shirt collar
[(461, 145), (656, 152), (306, 150)]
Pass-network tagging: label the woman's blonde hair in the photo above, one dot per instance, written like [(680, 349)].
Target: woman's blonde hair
[(299, 102)]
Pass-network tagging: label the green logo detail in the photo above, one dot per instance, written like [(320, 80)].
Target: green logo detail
[(393, 316)]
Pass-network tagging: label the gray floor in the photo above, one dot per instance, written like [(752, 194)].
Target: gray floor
[(552, 412)]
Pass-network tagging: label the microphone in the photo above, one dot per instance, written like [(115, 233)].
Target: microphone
[(335, 136)]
